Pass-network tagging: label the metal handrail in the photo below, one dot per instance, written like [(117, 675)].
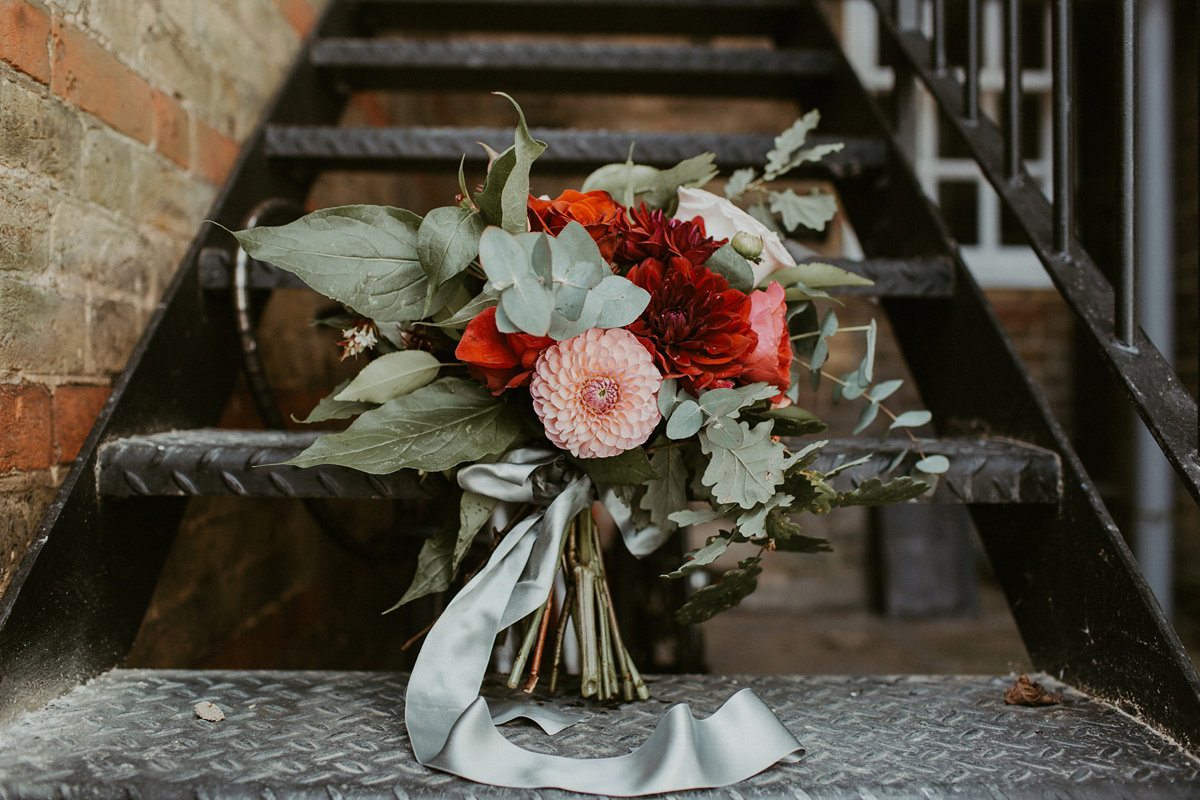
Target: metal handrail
[(1105, 311)]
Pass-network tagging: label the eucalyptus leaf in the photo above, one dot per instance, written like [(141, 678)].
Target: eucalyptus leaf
[(911, 419), (812, 210), (685, 420), (365, 257), (754, 392), (874, 492), (613, 303), (439, 426), (667, 397), (731, 589), (884, 390), (721, 402), (933, 465), (867, 367), (526, 302), (577, 268), (447, 243), (816, 275), (667, 493), (630, 468), (332, 408), (869, 412), (702, 557), (729, 264)]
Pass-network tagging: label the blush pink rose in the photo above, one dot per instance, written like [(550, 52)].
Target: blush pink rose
[(771, 359)]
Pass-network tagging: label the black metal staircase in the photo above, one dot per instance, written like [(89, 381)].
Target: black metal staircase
[(79, 595)]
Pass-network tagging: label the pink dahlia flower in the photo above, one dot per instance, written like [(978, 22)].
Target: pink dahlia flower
[(597, 393)]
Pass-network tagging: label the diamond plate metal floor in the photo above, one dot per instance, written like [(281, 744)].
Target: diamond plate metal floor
[(334, 735)]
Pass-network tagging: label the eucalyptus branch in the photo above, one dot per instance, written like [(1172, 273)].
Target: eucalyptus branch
[(882, 407)]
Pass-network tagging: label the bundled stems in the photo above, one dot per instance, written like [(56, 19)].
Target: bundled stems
[(607, 670)]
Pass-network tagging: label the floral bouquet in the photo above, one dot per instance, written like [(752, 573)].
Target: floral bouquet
[(637, 344)]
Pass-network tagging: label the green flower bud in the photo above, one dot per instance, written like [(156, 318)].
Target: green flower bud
[(747, 245)]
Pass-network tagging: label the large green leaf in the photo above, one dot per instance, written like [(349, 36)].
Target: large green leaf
[(515, 194), (746, 475), (667, 493), (447, 243), (489, 200), (816, 275), (332, 408), (435, 567), (362, 256), (479, 303), (629, 468), (731, 589), (439, 426), (391, 376), (616, 179)]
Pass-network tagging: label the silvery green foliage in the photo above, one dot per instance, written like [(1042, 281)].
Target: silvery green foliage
[(331, 408), (556, 286), (733, 586), (657, 188), (391, 376), (506, 188), (447, 243), (811, 210)]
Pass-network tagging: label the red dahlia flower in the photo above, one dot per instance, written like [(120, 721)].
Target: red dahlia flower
[(500, 360), (596, 211), (650, 234), (697, 328)]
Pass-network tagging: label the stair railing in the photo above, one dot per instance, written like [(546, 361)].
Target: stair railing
[(1105, 310)]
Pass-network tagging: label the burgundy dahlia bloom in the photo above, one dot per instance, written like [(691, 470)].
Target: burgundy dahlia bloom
[(650, 234), (697, 328)]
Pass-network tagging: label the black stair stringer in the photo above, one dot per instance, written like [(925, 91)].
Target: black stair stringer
[(1083, 608), (82, 588)]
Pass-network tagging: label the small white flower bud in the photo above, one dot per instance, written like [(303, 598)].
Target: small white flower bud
[(747, 245)]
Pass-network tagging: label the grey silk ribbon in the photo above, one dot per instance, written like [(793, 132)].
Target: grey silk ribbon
[(451, 727)]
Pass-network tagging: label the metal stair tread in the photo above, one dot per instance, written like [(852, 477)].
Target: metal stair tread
[(133, 733), (215, 462), (440, 147), (396, 64), (675, 17)]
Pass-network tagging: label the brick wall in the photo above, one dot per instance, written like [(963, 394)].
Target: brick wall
[(118, 121)]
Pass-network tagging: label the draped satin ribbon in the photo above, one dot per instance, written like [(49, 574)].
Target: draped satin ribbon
[(453, 729)]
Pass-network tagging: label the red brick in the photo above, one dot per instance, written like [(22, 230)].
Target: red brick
[(298, 13), (87, 75), (75, 411), (172, 129), (215, 153), (24, 37), (25, 427)]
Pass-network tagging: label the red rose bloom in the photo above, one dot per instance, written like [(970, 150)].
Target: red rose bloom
[(499, 360), (595, 211), (697, 328), (771, 359), (650, 234)]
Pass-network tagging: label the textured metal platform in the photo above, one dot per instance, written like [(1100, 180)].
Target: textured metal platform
[(335, 735), (397, 64), (567, 150), (245, 463)]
